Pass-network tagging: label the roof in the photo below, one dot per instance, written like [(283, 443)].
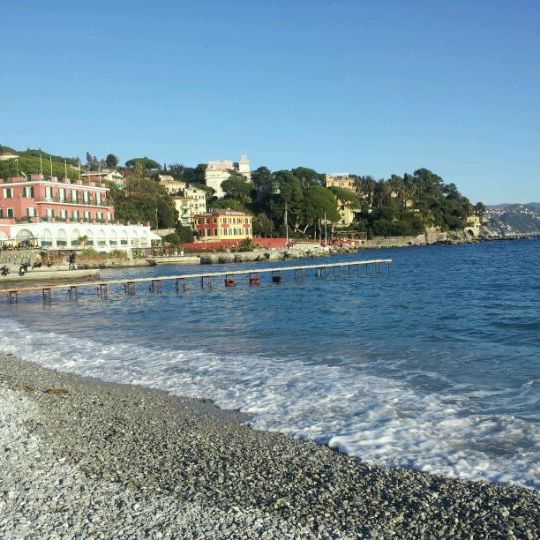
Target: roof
[(224, 212)]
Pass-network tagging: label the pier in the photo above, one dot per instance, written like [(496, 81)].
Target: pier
[(205, 279)]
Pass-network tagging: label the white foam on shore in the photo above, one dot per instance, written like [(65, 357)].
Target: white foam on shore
[(374, 418)]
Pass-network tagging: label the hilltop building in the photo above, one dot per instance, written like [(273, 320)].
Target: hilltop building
[(106, 175), (6, 155), (172, 185), (219, 224), (341, 180), (189, 202), (48, 212), (218, 171)]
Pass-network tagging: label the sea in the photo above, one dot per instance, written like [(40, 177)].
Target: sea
[(432, 366)]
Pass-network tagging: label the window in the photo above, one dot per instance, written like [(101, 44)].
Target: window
[(74, 195), (98, 199), (48, 192), (28, 192), (8, 193), (63, 214), (62, 194), (86, 197), (75, 215), (31, 212), (1, 213), (50, 212), (87, 216), (10, 212)]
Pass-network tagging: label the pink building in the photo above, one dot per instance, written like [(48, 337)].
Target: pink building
[(35, 199)]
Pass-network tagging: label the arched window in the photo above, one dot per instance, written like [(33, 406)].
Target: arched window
[(113, 238), (46, 238), (75, 238), (61, 238), (89, 238), (24, 235), (101, 238)]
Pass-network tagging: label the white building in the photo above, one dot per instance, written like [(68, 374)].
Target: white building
[(107, 175), (218, 171), (98, 236), (6, 155)]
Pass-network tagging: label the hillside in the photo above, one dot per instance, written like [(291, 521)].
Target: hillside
[(29, 162), (514, 219)]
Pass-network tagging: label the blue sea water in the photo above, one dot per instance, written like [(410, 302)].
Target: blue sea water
[(433, 366)]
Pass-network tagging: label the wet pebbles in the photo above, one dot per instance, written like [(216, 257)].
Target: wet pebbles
[(85, 459)]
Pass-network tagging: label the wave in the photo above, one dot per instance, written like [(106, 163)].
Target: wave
[(371, 417)]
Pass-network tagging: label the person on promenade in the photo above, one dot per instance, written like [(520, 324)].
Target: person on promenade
[(72, 261)]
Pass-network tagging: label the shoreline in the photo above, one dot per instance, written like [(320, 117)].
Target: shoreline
[(121, 459)]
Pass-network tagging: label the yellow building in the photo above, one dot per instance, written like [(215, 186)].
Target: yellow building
[(189, 202), (341, 180), (223, 224), (170, 184)]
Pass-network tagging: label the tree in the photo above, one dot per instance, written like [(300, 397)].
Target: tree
[(147, 163), (262, 179), (320, 204), (290, 196), (188, 174), (346, 196), (262, 225), (185, 234), (366, 187), (140, 200), (479, 209), (237, 187), (308, 176), (112, 161), (228, 203)]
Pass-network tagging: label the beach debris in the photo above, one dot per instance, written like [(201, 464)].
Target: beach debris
[(56, 391)]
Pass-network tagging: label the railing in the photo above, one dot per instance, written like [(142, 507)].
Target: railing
[(69, 200)]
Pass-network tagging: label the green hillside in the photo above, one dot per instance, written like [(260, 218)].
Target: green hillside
[(29, 162)]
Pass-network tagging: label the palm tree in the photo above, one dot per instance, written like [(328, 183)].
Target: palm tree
[(83, 240)]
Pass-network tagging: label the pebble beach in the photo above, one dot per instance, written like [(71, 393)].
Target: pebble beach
[(85, 459)]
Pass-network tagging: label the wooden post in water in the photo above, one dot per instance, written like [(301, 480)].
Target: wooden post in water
[(129, 288), (277, 276), (155, 286), (102, 291)]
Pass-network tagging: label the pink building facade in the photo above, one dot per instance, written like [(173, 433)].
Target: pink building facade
[(35, 199)]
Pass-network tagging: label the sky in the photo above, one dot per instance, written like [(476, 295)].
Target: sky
[(368, 87)]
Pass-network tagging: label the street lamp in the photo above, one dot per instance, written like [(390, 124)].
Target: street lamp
[(157, 228)]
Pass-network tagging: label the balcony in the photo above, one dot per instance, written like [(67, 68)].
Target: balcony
[(70, 200)]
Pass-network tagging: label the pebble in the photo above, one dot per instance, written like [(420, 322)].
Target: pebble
[(110, 461)]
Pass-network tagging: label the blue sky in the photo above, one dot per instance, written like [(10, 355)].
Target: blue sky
[(370, 87)]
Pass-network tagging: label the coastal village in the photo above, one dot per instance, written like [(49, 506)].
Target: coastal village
[(48, 204), (267, 270)]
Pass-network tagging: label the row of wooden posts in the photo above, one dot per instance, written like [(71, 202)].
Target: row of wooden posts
[(155, 285)]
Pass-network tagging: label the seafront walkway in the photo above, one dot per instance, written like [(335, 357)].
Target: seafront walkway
[(206, 279)]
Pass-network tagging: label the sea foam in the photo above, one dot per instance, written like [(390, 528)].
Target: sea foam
[(375, 418)]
